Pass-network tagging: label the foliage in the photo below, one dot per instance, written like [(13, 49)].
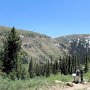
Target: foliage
[(86, 63), (31, 70), (87, 76), (48, 69), (10, 59), (31, 84), (79, 48)]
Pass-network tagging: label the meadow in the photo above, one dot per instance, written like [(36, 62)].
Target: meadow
[(37, 83), (32, 84)]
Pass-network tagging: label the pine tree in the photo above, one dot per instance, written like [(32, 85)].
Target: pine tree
[(75, 57), (66, 71), (12, 47), (51, 64), (51, 58), (48, 70), (43, 69), (37, 70), (31, 68), (55, 67), (86, 63), (78, 62), (23, 73), (69, 64), (64, 66), (59, 64), (19, 69), (73, 63)]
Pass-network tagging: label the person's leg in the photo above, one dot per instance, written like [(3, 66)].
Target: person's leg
[(77, 79)]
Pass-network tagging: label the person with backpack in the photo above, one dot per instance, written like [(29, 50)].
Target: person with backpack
[(77, 76)]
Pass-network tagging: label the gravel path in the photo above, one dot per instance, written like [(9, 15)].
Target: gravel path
[(75, 87)]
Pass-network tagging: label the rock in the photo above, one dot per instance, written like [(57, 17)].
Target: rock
[(69, 84), (84, 82), (21, 36), (57, 81)]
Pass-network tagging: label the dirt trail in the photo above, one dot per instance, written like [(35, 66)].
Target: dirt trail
[(75, 87), (78, 87)]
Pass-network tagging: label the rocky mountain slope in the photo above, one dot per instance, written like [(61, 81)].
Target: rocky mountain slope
[(78, 45), (38, 46), (41, 47), (66, 41)]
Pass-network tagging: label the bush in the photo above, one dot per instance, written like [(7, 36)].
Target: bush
[(87, 76)]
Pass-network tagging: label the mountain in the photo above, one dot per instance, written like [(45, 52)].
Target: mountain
[(77, 44), (38, 46), (65, 41), (42, 47)]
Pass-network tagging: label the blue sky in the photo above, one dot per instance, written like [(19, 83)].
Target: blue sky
[(50, 17)]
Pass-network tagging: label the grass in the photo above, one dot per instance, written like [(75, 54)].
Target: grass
[(87, 76), (32, 84), (35, 83)]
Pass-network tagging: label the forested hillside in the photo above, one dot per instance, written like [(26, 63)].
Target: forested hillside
[(38, 46), (78, 44)]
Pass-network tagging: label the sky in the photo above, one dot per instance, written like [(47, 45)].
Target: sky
[(51, 17)]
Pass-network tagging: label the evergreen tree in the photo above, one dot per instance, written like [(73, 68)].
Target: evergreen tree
[(75, 57), (73, 63), (51, 64), (48, 70), (19, 69), (59, 64), (69, 64), (86, 63), (37, 70), (55, 68), (66, 71), (12, 47), (43, 69), (65, 66), (23, 74), (51, 58), (31, 68), (78, 62)]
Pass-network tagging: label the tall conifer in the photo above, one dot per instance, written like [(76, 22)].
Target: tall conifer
[(12, 47)]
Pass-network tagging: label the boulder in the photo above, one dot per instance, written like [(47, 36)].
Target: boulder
[(69, 84), (84, 82)]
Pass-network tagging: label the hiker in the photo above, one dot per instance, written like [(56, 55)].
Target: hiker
[(77, 76)]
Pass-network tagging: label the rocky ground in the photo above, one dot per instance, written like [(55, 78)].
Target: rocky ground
[(80, 86)]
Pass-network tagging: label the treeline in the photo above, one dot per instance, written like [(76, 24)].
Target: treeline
[(80, 47), (12, 60), (65, 65)]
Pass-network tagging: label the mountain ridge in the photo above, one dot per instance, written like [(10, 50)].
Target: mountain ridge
[(42, 47), (38, 46)]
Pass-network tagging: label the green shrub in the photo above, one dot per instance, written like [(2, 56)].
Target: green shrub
[(31, 84), (87, 76)]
